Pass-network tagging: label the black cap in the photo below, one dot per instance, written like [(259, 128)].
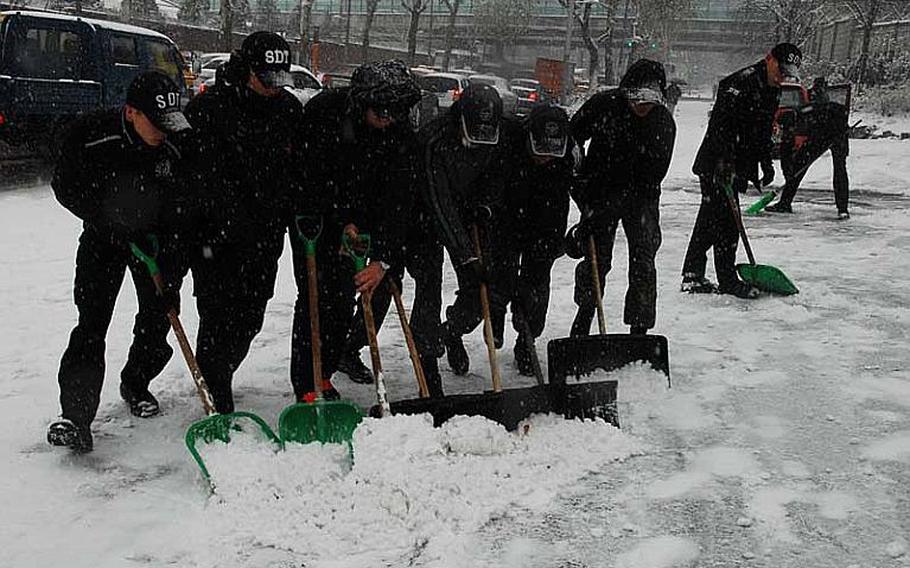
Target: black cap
[(789, 58), (157, 97), (548, 130), (481, 113), (644, 82), (269, 57)]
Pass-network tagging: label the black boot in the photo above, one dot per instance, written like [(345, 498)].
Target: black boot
[(779, 207), (66, 433), (638, 330), (430, 365), (456, 354), (741, 290), (353, 366), (581, 326), (694, 284), (142, 403), (523, 357)]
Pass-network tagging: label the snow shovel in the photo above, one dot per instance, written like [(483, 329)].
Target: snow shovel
[(216, 427), (358, 249), (505, 406), (764, 277), (317, 420)]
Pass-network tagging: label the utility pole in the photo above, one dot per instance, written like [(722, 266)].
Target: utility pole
[(347, 34), (622, 50), (567, 57), (304, 56)]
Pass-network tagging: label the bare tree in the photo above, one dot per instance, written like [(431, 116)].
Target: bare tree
[(500, 22), (415, 8), (792, 21), (582, 18), (191, 11), (661, 19), (453, 6), (372, 5), (865, 12)]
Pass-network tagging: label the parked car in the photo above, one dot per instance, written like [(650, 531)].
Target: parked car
[(55, 66), (509, 99), (446, 86), (529, 93), (306, 84), (210, 64)]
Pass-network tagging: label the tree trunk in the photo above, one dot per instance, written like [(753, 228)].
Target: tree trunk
[(306, 9), (871, 15), (367, 26), (450, 33), (227, 25), (412, 35)]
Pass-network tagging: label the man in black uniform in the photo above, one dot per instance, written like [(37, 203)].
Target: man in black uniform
[(117, 172), (738, 139), (632, 134), (467, 169), (537, 200), (824, 124), (247, 125), (361, 168)]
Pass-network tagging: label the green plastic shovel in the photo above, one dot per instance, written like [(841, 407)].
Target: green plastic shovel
[(319, 420), (762, 276), (216, 427)]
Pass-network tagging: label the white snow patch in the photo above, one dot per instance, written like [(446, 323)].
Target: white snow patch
[(896, 548), (895, 447), (767, 507), (659, 552), (836, 505)]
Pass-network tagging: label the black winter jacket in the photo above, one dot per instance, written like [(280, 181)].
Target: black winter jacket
[(739, 130), (251, 146), (108, 177), (459, 180), (356, 174), (538, 197), (628, 156)]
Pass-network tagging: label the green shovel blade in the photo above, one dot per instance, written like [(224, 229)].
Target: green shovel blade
[(760, 205), (766, 278), (328, 422), (218, 428)]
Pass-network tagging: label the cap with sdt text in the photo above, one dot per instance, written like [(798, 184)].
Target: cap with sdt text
[(548, 130), (158, 98), (789, 58), (269, 57)]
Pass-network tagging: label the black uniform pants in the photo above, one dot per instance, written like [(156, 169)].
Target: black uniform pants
[(233, 284), (337, 295), (465, 313), (715, 226), (796, 165), (641, 224), (100, 266)]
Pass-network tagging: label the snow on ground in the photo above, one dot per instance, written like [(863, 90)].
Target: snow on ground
[(784, 442)]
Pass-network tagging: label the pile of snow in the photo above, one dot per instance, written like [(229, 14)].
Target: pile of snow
[(412, 490)]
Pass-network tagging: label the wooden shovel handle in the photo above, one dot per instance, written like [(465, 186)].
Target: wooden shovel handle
[(315, 339), (487, 318), (409, 338), (598, 290)]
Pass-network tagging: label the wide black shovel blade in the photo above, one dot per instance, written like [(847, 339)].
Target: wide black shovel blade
[(577, 356), (507, 407)]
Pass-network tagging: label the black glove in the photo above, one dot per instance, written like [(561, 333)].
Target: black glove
[(480, 215)]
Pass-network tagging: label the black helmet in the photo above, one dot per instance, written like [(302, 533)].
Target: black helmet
[(481, 112), (385, 86)]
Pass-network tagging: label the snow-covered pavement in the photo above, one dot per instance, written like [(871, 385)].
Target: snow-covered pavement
[(785, 440)]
